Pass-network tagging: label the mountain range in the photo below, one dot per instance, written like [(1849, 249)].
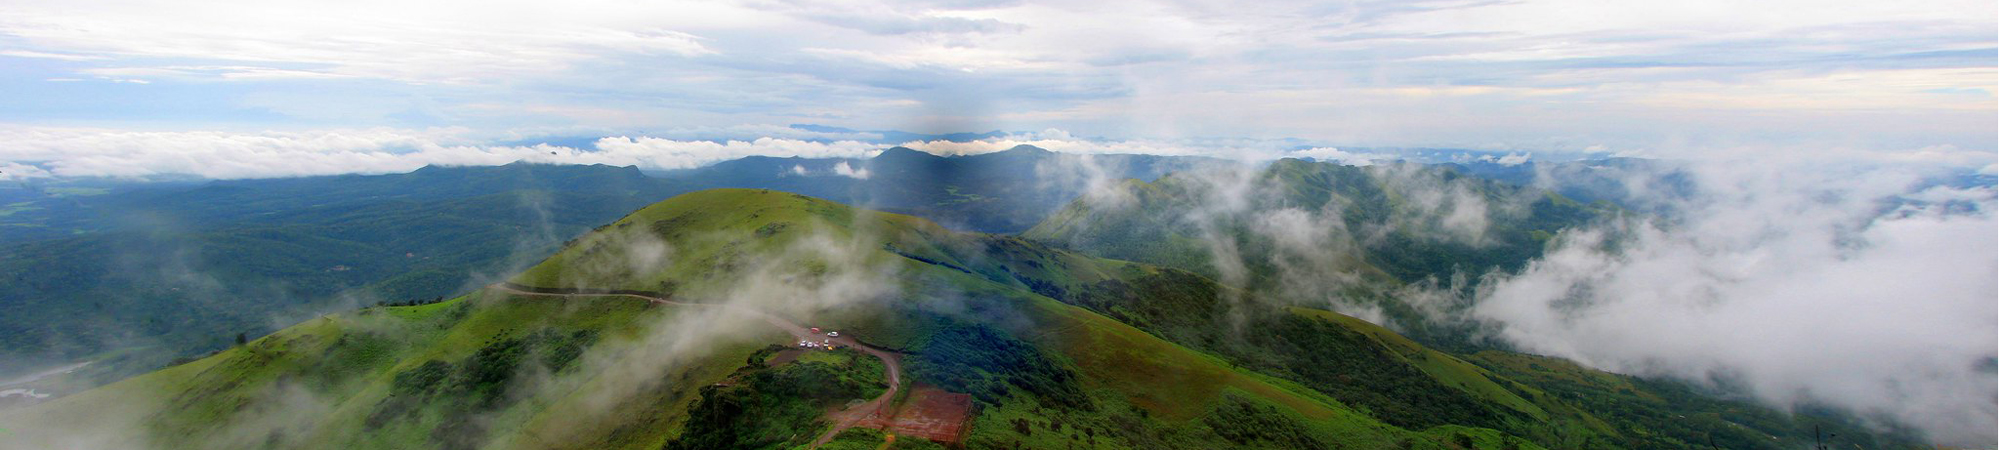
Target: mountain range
[(675, 326), (1152, 303), (98, 268)]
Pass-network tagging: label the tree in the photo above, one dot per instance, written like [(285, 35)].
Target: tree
[(242, 338)]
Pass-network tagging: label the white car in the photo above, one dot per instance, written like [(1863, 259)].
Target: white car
[(832, 334)]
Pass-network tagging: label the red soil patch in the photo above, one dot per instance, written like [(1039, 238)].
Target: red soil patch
[(928, 413)]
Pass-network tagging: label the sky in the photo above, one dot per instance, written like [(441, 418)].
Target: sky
[(136, 82)]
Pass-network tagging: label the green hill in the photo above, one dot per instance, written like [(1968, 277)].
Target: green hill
[(1403, 222), (130, 274), (1325, 235), (1057, 350), (199, 265)]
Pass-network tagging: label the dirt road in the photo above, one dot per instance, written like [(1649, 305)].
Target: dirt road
[(846, 419), (891, 364)]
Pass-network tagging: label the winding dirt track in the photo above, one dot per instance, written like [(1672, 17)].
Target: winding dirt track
[(892, 365)]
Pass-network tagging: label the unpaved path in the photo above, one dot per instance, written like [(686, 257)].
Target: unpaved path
[(891, 364), (846, 419)]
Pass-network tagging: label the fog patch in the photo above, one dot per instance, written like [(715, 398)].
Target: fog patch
[(114, 428), (810, 274), (1439, 207), (285, 414), (1308, 251), (847, 170), (1088, 175), (1857, 287), (1225, 196), (1257, 234), (528, 247), (1338, 156)]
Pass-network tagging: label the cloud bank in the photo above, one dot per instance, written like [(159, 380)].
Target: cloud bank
[(39, 152), (45, 152), (1534, 74), (1868, 289)]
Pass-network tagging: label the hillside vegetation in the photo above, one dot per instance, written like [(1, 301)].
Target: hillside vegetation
[(1402, 222), (1058, 349), (134, 274), (184, 269)]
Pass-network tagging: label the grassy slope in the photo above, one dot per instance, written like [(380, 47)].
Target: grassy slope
[(314, 385), (1120, 363), (1569, 405), (1449, 369), (1137, 380), (1147, 391), (1127, 365), (183, 268)]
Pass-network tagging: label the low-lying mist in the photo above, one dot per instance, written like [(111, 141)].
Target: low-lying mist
[(799, 278), (1864, 288), (819, 267)]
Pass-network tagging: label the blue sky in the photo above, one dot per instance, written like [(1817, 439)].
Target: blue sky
[(1896, 80)]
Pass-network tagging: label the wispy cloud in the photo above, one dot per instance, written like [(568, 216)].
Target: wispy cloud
[(1521, 74), (1798, 282), (43, 55), (77, 151)]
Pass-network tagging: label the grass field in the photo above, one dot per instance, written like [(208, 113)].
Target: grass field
[(315, 385)]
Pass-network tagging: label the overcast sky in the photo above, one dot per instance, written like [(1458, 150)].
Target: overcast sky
[(1653, 78)]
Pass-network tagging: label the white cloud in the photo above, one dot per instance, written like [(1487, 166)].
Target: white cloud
[(65, 151), (11, 171), (223, 155), (1331, 154), (431, 43), (1529, 74), (45, 55), (1790, 279), (673, 154), (1060, 141), (223, 72), (845, 170)]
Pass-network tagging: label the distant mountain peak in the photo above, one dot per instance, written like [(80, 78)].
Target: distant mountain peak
[(1028, 149), (901, 152)]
